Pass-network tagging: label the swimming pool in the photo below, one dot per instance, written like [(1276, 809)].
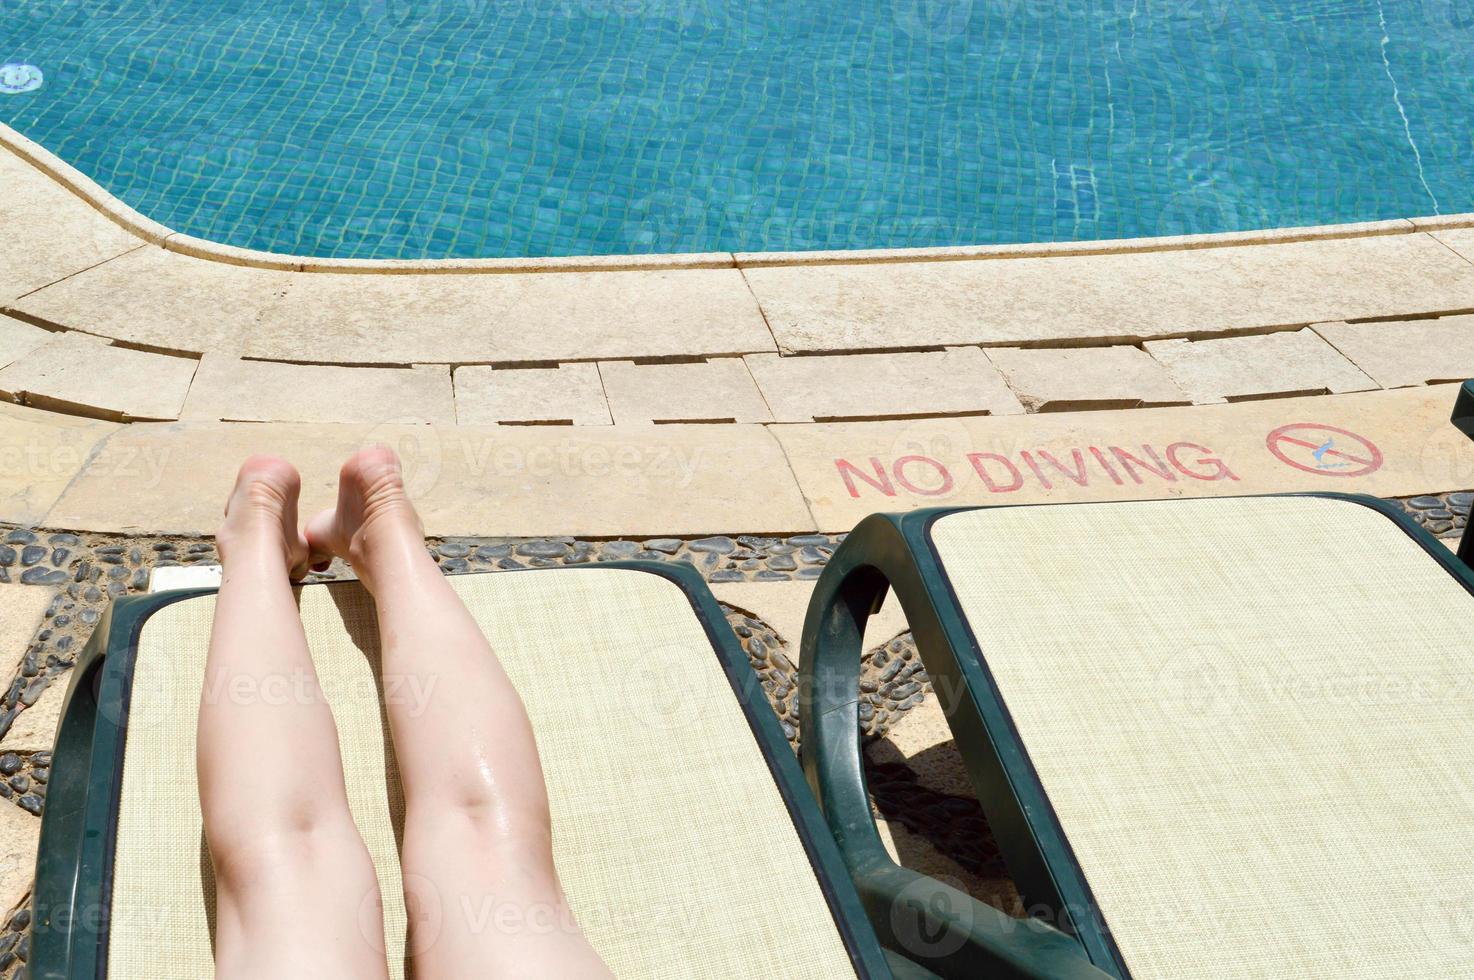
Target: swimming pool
[(459, 128)]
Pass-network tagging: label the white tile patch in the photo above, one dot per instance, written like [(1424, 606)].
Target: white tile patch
[(172, 577)]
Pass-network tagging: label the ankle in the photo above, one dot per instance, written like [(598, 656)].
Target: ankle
[(253, 546), (384, 548)]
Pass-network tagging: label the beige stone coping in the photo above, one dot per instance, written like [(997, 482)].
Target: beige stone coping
[(93, 265), (163, 300), (645, 480), (1110, 298)]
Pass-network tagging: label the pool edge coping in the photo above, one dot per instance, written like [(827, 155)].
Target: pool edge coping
[(156, 233)]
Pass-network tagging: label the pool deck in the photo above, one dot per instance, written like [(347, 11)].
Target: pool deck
[(720, 393), (734, 410)]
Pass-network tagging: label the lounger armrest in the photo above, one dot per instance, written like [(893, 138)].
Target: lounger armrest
[(70, 902), (1463, 420), (59, 943), (939, 927)]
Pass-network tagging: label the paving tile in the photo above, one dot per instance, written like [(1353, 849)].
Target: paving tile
[(1397, 353), (88, 376), (1461, 240), (231, 389), (17, 339), (34, 729), (849, 470), (920, 738), (598, 481), (40, 453), (569, 393), (718, 390), (21, 609), (20, 834), (162, 299), (1066, 379), (1289, 362), (49, 232), (957, 381), (1108, 298)]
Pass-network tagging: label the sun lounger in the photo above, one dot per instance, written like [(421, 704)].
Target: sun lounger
[(686, 839), (1217, 738)]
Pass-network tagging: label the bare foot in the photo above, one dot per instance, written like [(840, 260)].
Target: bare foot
[(261, 516), (374, 515)]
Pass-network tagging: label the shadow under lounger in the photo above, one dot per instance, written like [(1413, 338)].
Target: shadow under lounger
[(685, 837)]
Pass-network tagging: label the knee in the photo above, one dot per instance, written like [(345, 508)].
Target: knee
[(479, 824), (272, 847)]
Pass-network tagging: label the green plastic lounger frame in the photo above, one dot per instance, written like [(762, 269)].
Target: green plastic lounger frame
[(686, 838), (1227, 737)]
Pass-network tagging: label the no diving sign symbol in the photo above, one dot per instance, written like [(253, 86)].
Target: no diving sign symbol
[(1324, 449)]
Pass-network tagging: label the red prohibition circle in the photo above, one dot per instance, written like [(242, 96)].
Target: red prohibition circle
[(1326, 450)]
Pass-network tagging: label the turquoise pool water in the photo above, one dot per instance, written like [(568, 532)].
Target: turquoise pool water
[(440, 128)]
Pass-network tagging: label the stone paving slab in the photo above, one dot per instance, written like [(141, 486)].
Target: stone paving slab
[(1290, 362), (1413, 352), (17, 339), (34, 729), (86, 375), (850, 470), (227, 388), (1461, 240), (21, 609), (1109, 297), (170, 301), (916, 738), (40, 452), (49, 232), (20, 833), (956, 381), (1084, 378), (484, 480), (717, 390), (568, 393)]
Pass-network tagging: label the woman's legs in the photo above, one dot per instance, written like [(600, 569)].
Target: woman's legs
[(292, 874), (478, 861)]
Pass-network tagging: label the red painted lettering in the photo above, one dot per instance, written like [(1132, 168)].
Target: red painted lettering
[(1080, 477), (849, 473), (1105, 464), (1129, 462), (1016, 479), (1028, 458), (899, 469), (1217, 469)]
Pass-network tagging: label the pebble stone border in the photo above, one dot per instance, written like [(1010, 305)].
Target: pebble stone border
[(1439, 514)]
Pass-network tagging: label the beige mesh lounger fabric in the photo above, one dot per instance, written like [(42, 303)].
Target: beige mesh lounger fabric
[(1254, 719), (675, 847)]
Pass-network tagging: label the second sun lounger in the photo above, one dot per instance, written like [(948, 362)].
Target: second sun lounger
[(1213, 738)]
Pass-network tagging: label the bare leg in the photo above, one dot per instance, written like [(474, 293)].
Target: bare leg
[(478, 861), (292, 874)]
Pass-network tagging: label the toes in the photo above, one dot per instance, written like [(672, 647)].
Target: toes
[(321, 533)]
